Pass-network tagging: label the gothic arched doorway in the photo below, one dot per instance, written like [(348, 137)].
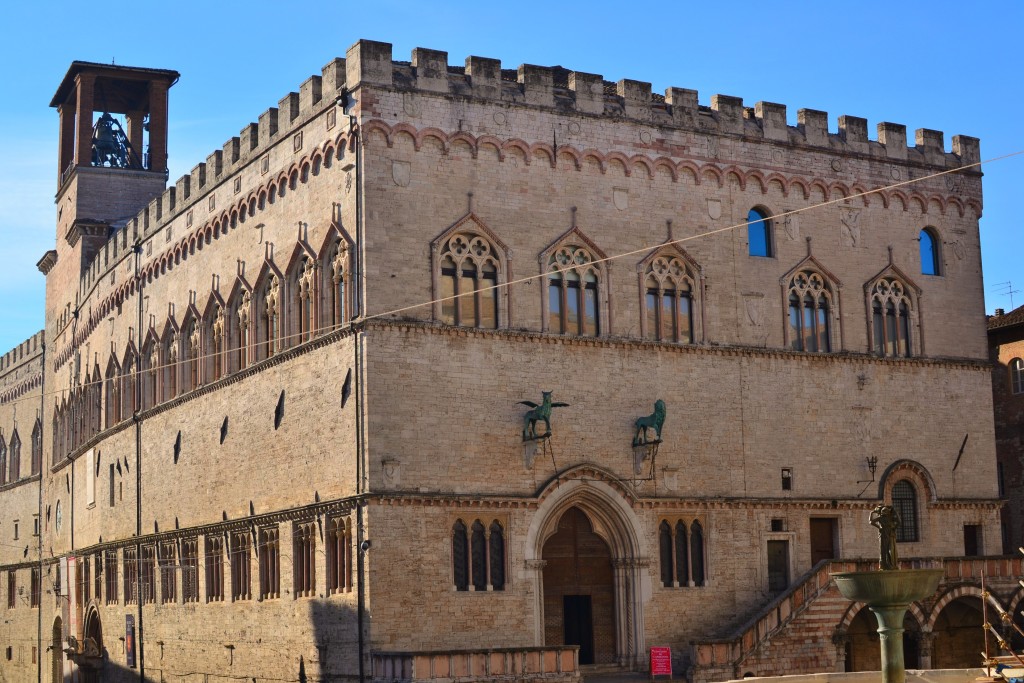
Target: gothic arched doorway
[(585, 540), (579, 589), (57, 652), (92, 658)]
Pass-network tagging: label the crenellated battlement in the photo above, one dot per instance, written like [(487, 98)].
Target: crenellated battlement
[(557, 89), (370, 62), (23, 351)]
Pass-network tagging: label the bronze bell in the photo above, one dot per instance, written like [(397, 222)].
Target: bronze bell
[(109, 147)]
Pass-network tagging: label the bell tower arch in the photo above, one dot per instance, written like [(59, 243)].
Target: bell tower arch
[(111, 160)]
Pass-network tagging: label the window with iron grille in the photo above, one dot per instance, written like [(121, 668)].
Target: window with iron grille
[(110, 569), (241, 573), (214, 568), (98, 576), (190, 570), (304, 559), (148, 575), (904, 499), (168, 576), (270, 563), (339, 555), (35, 588), (131, 571), (12, 589), (85, 580)]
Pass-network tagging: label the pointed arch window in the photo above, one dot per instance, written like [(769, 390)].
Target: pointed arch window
[(339, 556), (128, 380), (243, 322), (3, 461), (270, 330), (930, 257), (213, 348), (697, 553), (904, 499), (810, 300), (681, 550), (303, 293), (15, 456), (666, 554), (169, 362), (496, 553), (112, 396), (478, 555), (574, 292), (460, 556), (670, 286), (37, 447), (682, 575), (192, 343), (95, 392), (468, 279), (149, 372), (338, 308), (890, 319)]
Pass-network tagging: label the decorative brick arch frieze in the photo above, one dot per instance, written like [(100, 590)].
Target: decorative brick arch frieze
[(961, 591), (718, 173), (917, 473)]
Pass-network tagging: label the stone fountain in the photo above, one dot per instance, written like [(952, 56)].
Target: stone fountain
[(888, 592)]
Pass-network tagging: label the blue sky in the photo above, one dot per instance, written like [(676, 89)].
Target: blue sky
[(940, 65)]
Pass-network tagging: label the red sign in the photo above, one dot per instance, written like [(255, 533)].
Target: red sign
[(661, 661)]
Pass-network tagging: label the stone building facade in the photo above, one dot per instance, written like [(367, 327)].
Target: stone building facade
[(278, 405)]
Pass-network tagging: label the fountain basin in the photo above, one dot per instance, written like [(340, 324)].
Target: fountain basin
[(888, 587)]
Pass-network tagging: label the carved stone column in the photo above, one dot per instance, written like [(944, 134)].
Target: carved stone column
[(537, 567)]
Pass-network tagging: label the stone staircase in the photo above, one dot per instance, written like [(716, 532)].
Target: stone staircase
[(802, 630)]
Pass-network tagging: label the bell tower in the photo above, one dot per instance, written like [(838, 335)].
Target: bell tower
[(112, 158), (112, 162)]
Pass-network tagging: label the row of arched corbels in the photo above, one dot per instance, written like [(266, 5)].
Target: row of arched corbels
[(699, 173), (276, 186), (33, 382)]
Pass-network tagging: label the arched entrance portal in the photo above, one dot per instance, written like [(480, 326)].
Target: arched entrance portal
[(579, 589), (57, 652), (92, 658), (585, 541)]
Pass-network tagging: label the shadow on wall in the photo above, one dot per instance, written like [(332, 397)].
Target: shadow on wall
[(324, 650)]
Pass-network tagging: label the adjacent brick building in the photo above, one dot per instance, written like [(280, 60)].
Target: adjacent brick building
[(278, 404), (1006, 348)]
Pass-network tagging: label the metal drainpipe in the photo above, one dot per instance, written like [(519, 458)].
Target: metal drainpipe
[(360, 442), (138, 466), (39, 510)]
